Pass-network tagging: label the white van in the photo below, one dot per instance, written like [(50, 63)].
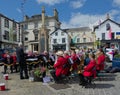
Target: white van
[(109, 52)]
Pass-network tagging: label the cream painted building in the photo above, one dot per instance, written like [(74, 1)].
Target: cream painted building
[(82, 37), (31, 29), (32, 26), (65, 39)]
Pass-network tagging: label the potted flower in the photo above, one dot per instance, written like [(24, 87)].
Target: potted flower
[(39, 73)]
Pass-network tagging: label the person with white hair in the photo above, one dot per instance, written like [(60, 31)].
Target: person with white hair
[(22, 61), (45, 58), (59, 69)]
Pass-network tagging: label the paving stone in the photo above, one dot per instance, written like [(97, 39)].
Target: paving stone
[(109, 85)]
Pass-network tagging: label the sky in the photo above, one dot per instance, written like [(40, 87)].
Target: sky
[(72, 13)]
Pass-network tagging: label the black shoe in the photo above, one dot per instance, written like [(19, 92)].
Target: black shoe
[(4, 72), (57, 82), (26, 77), (22, 78), (80, 83), (11, 72)]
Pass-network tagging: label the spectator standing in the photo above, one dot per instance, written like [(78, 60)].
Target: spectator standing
[(22, 62)]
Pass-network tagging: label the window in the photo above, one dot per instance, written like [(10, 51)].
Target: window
[(71, 34), (36, 36), (36, 25), (26, 38), (84, 40), (14, 26), (26, 47), (54, 41), (35, 47), (15, 37), (63, 40), (78, 40), (108, 26), (25, 26), (6, 36), (103, 36), (56, 34), (113, 36), (6, 23), (62, 33)]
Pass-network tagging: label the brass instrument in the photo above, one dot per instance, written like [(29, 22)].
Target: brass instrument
[(81, 65)]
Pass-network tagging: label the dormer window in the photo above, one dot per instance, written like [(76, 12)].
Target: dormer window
[(108, 26), (56, 34), (63, 40), (36, 25)]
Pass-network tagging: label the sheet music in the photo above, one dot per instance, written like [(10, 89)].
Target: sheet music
[(45, 59), (78, 57), (71, 61), (52, 58)]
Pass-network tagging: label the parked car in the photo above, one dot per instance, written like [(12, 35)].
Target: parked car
[(109, 52)]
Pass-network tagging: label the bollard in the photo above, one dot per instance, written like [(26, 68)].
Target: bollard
[(6, 76), (2, 86)]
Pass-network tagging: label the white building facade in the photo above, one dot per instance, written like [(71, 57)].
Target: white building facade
[(59, 40), (108, 33), (9, 32)]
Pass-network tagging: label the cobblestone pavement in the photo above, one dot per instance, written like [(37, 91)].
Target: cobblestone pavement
[(108, 84)]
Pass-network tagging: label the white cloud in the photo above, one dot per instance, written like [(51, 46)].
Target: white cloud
[(116, 3), (77, 4), (84, 20), (114, 13), (50, 2), (81, 20)]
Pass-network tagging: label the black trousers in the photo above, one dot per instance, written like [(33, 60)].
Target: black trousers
[(23, 69), (52, 72), (81, 79), (15, 67), (5, 69)]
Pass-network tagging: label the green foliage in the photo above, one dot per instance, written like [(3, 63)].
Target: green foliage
[(37, 72), (117, 56)]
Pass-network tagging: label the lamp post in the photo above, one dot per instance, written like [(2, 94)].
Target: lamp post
[(94, 39), (99, 43)]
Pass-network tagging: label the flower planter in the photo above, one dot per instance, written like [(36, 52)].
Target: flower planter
[(40, 78), (116, 62), (38, 74)]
